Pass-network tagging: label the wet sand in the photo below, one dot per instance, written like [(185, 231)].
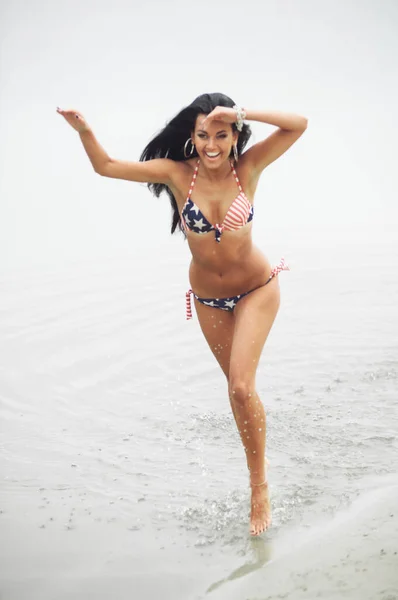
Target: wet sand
[(354, 556)]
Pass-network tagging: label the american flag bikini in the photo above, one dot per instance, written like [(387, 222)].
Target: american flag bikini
[(232, 301), (239, 214)]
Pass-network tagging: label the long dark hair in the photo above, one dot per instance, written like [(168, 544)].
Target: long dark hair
[(169, 143)]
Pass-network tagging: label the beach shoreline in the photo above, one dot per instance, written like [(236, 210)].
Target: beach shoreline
[(353, 556)]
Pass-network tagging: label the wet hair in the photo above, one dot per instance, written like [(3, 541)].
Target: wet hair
[(169, 143)]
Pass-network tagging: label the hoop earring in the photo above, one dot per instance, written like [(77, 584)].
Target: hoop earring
[(185, 148), (236, 156)]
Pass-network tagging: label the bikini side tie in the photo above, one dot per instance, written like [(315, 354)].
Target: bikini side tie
[(283, 266), (188, 304)]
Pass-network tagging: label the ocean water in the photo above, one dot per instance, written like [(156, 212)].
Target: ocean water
[(122, 472)]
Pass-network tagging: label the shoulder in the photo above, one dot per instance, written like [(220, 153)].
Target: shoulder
[(181, 174), (181, 171)]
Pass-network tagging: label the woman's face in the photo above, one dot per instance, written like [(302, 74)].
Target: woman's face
[(214, 141)]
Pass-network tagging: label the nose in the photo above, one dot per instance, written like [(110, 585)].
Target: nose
[(210, 143)]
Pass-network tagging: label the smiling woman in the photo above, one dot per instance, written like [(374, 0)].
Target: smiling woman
[(200, 152), (178, 141)]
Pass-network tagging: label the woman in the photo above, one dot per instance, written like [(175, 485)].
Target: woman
[(198, 160)]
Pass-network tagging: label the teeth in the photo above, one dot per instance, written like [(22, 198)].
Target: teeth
[(212, 154)]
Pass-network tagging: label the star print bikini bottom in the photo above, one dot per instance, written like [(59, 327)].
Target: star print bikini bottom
[(229, 303)]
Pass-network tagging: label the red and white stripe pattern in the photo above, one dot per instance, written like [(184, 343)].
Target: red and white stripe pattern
[(195, 174), (239, 211), (283, 266), (188, 307)]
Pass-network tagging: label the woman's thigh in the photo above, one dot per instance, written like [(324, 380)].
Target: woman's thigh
[(254, 316), (218, 328)]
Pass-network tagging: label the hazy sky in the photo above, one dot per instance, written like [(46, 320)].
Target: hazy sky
[(130, 66)]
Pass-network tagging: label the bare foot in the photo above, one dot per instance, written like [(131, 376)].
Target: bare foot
[(260, 516)]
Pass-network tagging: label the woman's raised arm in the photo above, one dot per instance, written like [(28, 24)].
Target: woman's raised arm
[(159, 170)]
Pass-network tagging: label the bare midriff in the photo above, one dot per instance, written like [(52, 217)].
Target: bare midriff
[(228, 268)]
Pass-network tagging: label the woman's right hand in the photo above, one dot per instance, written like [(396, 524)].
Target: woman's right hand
[(74, 118)]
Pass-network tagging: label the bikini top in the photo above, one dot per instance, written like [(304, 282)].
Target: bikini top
[(239, 213)]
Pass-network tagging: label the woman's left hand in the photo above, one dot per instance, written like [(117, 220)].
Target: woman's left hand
[(220, 113)]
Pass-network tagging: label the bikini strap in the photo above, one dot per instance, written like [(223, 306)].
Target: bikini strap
[(188, 308), (195, 173), (282, 266), (236, 177)]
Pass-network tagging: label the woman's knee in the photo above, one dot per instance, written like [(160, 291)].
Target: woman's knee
[(241, 390)]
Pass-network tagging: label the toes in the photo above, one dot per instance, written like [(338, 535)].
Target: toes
[(253, 528), (257, 528)]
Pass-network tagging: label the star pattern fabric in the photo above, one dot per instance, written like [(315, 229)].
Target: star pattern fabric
[(221, 303), (238, 215), (200, 224), (230, 303)]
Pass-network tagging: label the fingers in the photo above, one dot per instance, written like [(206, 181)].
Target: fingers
[(74, 118), (205, 121), (220, 113), (210, 117), (68, 113)]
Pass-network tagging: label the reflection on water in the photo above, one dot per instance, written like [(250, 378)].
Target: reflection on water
[(261, 550)]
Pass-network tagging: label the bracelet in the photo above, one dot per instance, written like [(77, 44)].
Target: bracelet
[(240, 115)]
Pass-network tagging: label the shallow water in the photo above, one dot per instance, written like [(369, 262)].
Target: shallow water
[(122, 468)]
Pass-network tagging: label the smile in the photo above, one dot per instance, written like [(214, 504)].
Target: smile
[(212, 154)]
